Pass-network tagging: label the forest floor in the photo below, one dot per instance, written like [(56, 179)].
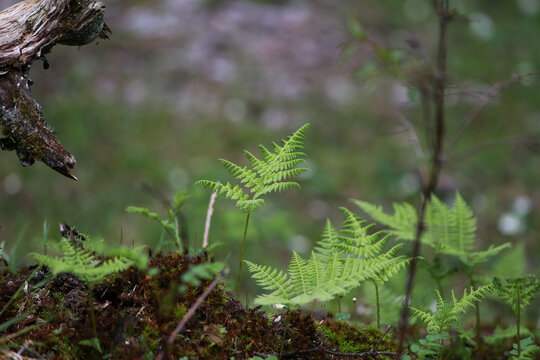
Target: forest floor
[(135, 314)]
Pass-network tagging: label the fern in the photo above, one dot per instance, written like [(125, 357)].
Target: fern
[(450, 231), (82, 263), (524, 349), (499, 334), (170, 225), (447, 314), (262, 176), (86, 265), (518, 293), (340, 262)]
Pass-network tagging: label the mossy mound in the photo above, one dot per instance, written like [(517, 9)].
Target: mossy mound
[(135, 314)]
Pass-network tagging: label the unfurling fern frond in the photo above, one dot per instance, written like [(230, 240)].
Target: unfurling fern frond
[(264, 175), (82, 263)]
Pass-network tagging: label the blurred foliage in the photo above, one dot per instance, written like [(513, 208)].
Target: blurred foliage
[(119, 107)]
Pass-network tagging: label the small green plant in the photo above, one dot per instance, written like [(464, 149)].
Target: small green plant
[(449, 231), (524, 349), (446, 316), (171, 224), (341, 261), (263, 176), (518, 293), (90, 269), (199, 272), (354, 240)]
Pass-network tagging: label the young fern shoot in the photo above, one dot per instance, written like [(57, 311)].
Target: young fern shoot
[(447, 315), (518, 293), (262, 176)]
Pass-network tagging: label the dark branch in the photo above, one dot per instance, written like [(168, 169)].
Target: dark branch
[(28, 31)]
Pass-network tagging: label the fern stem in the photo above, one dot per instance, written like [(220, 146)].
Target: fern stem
[(378, 304), (284, 338), (518, 320), (92, 316), (477, 308), (239, 281)]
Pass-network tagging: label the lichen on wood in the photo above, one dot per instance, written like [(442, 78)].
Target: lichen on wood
[(28, 31)]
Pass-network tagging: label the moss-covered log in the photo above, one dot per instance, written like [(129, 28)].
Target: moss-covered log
[(28, 31)]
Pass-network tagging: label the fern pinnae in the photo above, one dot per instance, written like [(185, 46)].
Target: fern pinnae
[(298, 273), (270, 278), (466, 223), (317, 268)]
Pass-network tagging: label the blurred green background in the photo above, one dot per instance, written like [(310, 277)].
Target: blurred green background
[(184, 82)]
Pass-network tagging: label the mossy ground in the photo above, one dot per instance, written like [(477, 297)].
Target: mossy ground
[(135, 313)]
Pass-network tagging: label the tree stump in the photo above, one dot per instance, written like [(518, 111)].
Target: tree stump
[(28, 31)]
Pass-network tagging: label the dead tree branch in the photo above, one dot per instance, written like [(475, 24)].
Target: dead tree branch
[(28, 31)]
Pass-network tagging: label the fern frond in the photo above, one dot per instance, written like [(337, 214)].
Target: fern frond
[(271, 279), (402, 223), (82, 263), (298, 272), (329, 239), (448, 314), (517, 292), (341, 261), (449, 230), (265, 175), (241, 173)]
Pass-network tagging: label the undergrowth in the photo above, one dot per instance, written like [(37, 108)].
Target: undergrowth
[(118, 303)]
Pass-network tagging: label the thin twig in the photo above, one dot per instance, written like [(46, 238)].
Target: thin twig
[(374, 349), (494, 90), (180, 327), (514, 140), (413, 137), (296, 353), (360, 355), (209, 213), (23, 331), (195, 306), (442, 9)]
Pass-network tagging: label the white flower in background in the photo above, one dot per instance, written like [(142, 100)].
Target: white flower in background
[(510, 224)]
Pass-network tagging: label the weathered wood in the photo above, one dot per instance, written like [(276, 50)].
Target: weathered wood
[(28, 31)]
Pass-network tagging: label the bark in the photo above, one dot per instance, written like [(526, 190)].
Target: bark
[(28, 31)]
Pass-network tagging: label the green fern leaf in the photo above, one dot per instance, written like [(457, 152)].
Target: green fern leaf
[(265, 175), (82, 263)]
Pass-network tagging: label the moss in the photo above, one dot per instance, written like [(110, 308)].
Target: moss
[(135, 313), (349, 339)]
